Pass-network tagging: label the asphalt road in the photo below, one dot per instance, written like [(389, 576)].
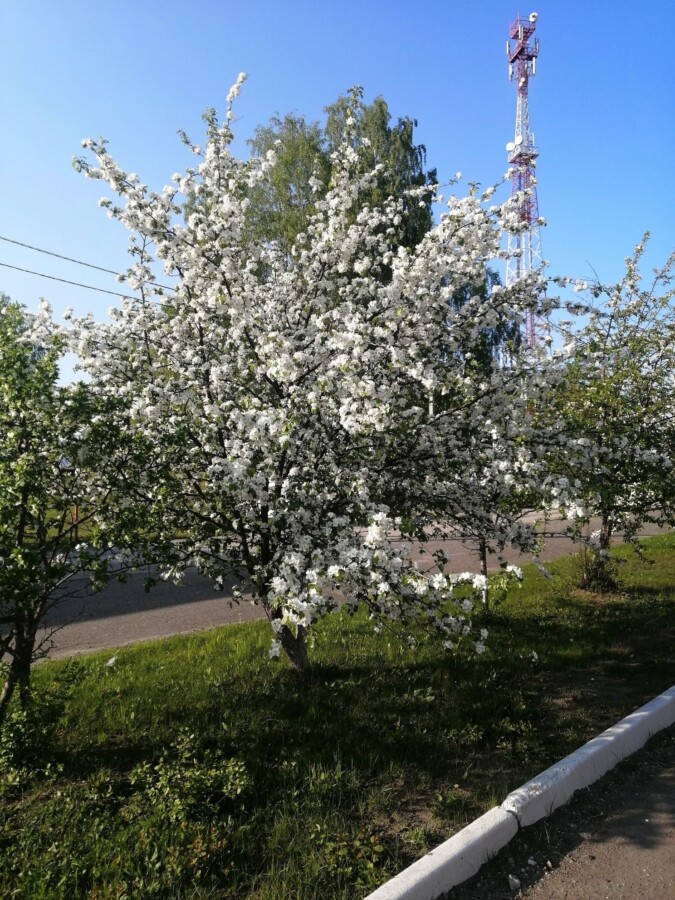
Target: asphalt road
[(613, 841), (628, 852), (125, 614)]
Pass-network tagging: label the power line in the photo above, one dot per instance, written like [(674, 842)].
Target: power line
[(89, 287), (58, 255), (78, 262)]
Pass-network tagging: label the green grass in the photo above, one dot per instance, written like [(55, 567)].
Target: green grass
[(197, 767)]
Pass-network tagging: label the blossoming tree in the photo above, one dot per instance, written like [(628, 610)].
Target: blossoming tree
[(297, 419), (611, 420), (43, 559)]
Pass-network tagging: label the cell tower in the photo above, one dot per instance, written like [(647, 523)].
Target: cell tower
[(524, 246)]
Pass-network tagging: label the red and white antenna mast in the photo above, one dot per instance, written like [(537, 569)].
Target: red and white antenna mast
[(524, 244)]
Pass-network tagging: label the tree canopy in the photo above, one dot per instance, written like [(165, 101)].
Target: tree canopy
[(43, 482), (282, 206), (611, 416), (304, 151), (281, 403)]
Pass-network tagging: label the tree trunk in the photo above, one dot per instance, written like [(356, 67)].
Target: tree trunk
[(295, 647), (19, 672), (482, 550), (597, 564), (8, 689), (605, 533)]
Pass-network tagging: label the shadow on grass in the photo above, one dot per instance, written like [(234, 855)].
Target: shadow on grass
[(377, 754), (427, 715)]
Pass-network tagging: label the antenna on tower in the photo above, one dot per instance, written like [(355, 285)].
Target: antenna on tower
[(524, 245)]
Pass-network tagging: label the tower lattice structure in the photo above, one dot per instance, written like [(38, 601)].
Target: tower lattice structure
[(524, 244)]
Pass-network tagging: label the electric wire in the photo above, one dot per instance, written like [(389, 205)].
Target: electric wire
[(89, 287), (71, 259), (57, 255)]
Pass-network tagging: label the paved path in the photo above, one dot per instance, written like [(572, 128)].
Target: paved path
[(613, 841), (630, 853), (125, 613)]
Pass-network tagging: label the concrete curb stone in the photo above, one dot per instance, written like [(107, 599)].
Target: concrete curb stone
[(454, 861), (462, 855), (554, 787)]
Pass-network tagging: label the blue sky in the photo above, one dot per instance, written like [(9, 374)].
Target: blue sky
[(602, 109)]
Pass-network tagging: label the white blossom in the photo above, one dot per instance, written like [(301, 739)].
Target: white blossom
[(283, 404)]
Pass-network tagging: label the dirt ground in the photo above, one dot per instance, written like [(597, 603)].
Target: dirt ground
[(613, 841)]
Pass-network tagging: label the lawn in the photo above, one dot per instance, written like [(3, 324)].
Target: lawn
[(197, 767)]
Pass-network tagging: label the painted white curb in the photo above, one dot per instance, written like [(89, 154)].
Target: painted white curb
[(464, 853), (460, 857), (554, 787)]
